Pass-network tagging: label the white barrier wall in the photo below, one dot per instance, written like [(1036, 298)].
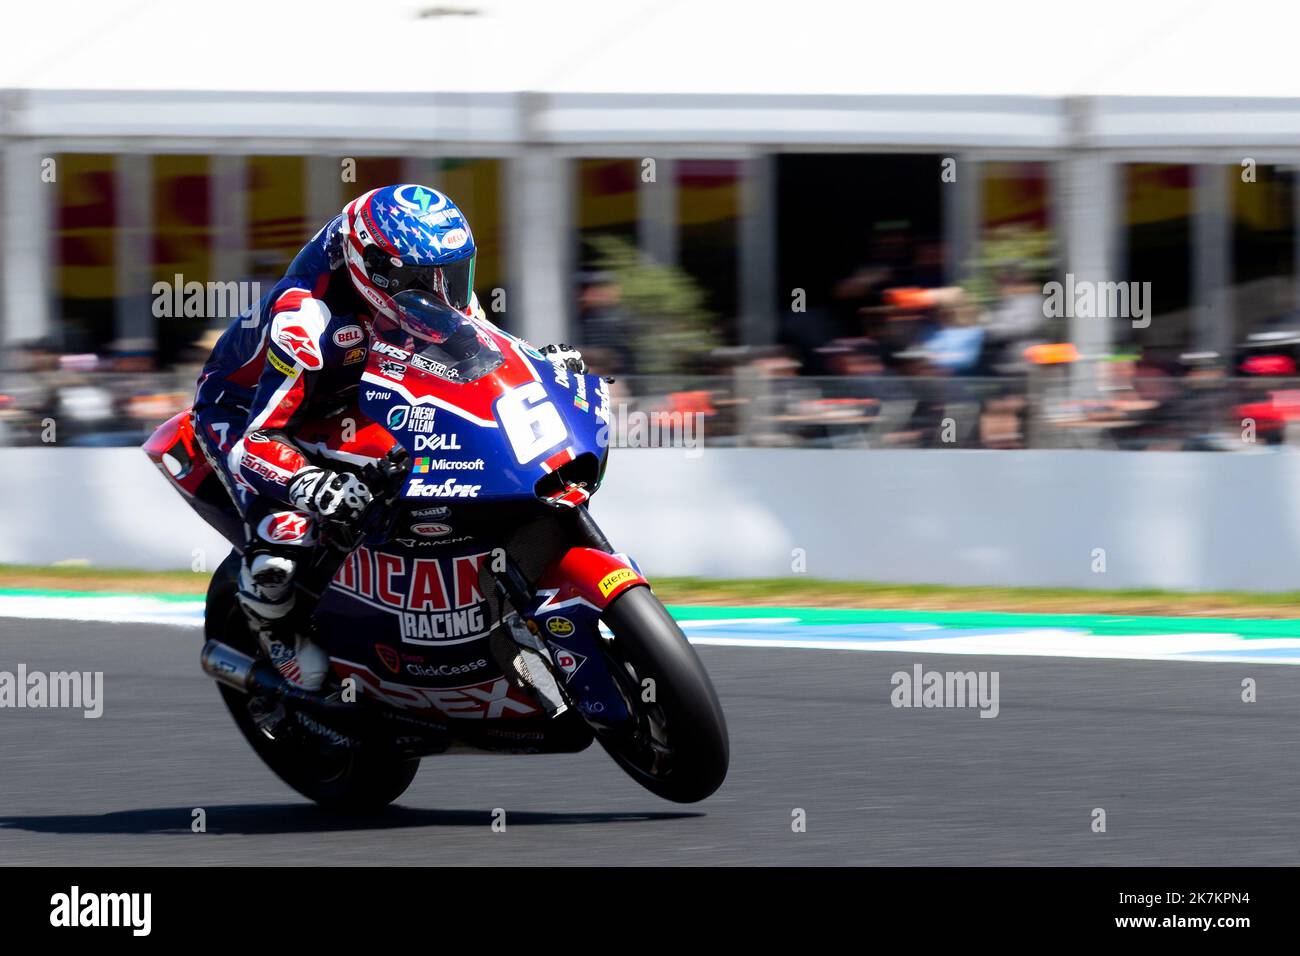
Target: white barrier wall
[(1179, 520)]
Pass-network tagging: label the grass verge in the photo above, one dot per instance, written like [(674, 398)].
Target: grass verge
[(776, 592)]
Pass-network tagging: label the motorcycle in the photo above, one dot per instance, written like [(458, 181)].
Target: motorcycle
[(476, 606)]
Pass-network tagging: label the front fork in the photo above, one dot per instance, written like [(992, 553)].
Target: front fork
[(563, 612)]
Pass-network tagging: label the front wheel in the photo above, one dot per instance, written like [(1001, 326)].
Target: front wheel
[(676, 744)]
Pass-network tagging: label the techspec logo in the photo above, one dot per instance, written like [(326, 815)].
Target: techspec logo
[(450, 488), (76, 909), (436, 600)]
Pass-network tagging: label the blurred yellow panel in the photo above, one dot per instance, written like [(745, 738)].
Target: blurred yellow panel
[(708, 191), (84, 219), (607, 193), (1158, 192), (475, 186), (1014, 194), (182, 227), (1263, 205), (277, 222)]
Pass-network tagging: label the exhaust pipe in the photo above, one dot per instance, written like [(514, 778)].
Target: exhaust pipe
[(249, 675), (236, 669)]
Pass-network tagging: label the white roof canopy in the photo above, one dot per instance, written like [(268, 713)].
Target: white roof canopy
[(1001, 73)]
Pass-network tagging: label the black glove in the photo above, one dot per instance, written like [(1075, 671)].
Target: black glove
[(569, 358), (335, 496)]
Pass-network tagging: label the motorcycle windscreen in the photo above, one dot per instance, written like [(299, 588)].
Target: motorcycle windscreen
[(456, 348)]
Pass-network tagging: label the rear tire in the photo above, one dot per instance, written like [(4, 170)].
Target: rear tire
[(347, 781), (678, 748)]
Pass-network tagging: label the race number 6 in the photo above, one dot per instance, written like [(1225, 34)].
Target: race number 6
[(531, 423)]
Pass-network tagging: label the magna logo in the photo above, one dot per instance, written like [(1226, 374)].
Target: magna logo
[(447, 489), (349, 336)]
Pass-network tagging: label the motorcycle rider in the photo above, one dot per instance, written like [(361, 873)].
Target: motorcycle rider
[(294, 364)]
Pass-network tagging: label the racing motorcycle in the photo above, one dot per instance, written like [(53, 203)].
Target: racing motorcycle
[(476, 605)]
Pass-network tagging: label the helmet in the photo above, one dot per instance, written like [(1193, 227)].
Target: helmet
[(408, 237)]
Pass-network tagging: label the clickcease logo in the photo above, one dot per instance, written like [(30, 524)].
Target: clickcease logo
[(75, 909)]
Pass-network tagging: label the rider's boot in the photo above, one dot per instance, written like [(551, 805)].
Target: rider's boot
[(267, 597)]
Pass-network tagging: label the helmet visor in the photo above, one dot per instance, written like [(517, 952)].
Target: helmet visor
[(453, 282)]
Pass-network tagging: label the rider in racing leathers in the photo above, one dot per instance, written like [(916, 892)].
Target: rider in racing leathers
[(296, 362)]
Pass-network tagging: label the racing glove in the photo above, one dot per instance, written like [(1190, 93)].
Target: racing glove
[(334, 496), (569, 358)]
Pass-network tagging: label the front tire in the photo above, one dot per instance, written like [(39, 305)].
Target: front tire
[(346, 781), (677, 745)]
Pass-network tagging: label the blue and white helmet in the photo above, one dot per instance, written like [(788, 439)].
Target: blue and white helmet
[(409, 237)]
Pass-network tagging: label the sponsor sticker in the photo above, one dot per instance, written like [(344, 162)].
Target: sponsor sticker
[(566, 660), (441, 512), (354, 356), (286, 527), (349, 336), (612, 580), (454, 238), (447, 489), (298, 342), (560, 626), (394, 370), (388, 657), (436, 443), (397, 416), (281, 366), (431, 529)]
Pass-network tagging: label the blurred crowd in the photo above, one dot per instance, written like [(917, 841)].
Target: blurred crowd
[(887, 356)]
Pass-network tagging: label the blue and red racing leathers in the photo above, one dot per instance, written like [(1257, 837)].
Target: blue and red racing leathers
[(299, 356), (278, 388)]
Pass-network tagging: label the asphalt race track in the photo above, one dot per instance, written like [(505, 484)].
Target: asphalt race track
[(1187, 773)]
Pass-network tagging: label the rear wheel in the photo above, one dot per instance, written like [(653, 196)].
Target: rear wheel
[(676, 745), (337, 777)]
